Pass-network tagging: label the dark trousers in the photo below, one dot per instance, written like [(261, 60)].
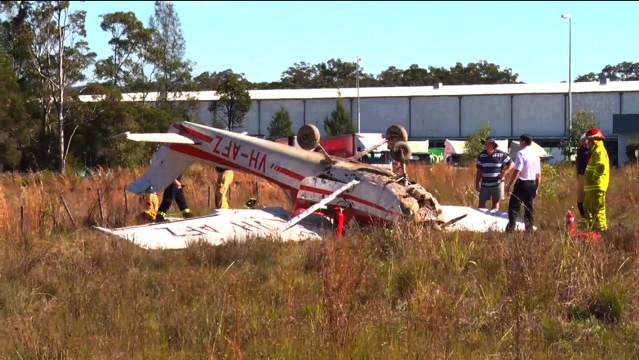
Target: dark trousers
[(173, 193), (523, 192)]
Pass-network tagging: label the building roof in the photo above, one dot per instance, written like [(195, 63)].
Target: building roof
[(397, 91)]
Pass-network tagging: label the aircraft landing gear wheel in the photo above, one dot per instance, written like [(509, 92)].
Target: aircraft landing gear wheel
[(396, 133), (308, 137)]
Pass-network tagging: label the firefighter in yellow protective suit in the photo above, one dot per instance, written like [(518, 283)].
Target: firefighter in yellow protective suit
[(224, 180), (596, 181)]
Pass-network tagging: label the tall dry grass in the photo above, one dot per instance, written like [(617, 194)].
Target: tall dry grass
[(399, 292)]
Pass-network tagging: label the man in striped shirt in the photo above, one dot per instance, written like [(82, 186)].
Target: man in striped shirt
[(492, 167)]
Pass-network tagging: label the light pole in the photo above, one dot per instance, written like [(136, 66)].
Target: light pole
[(569, 18), (357, 85)]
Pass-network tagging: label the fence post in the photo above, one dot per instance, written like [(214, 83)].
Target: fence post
[(126, 203), (208, 199), (100, 206), (22, 221), (66, 207), (257, 192)]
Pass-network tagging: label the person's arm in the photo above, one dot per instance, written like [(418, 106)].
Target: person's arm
[(517, 167), (478, 178), (538, 179), (510, 165), (513, 177)]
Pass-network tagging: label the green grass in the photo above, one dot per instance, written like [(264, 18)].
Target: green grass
[(70, 292)]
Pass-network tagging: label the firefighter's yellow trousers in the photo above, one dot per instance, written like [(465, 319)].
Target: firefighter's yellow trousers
[(595, 210), (224, 181)]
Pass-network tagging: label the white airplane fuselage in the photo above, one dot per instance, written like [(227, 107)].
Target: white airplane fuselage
[(375, 198)]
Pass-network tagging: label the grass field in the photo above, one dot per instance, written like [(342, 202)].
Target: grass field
[(67, 291)]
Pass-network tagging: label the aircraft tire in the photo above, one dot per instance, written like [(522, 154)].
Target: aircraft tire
[(308, 137)]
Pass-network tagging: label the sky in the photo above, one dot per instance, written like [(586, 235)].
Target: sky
[(262, 39)]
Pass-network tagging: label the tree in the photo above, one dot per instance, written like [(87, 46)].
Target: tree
[(339, 122), (281, 125), (481, 72), (99, 121), (167, 49), (73, 57), (234, 101), (51, 54), (390, 77), (416, 76), (15, 123), (300, 75), (332, 73), (474, 144), (624, 71), (582, 121), (591, 76), (129, 41)]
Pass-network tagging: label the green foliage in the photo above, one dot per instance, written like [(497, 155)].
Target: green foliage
[(550, 175), (281, 125), (456, 255), (582, 121), (339, 73), (166, 51), (234, 101), (402, 283), (624, 71), (97, 123), (474, 145), (632, 146), (129, 41), (339, 122), (15, 122), (608, 304)]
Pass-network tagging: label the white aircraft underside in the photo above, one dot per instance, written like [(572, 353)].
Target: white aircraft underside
[(226, 225)]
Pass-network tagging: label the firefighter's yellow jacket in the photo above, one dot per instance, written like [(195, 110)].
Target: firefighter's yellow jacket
[(597, 174)]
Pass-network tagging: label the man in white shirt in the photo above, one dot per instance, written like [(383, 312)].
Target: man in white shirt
[(526, 178)]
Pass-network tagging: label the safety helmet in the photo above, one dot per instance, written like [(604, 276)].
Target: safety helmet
[(595, 134)]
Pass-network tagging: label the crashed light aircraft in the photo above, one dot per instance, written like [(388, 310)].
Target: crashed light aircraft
[(344, 189)]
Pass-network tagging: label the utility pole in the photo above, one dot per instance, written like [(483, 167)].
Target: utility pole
[(569, 18), (359, 129)]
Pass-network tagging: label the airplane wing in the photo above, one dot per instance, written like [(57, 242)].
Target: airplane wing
[(222, 226), (464, 218), (167, 138)]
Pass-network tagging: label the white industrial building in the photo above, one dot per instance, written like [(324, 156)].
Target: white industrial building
[(446, 111)]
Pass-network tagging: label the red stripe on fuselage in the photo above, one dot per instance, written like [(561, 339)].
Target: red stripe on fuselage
[(196, 134), (289, 173), (198, 153)]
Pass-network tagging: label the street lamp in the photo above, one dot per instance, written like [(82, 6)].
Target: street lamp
[(357, 85), (569, 18)]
